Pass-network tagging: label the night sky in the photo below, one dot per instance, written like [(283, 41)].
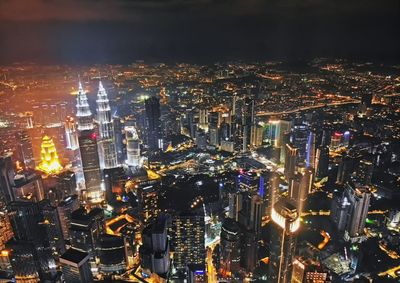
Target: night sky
[(202, 31)]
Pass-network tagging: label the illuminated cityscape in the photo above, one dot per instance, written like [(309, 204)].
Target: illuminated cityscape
[(199, 141)]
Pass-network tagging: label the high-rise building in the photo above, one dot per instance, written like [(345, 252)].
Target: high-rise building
[(290, 161), (154, 253), (107, 151), (6, 177), (310, 150), (83, 113), (300, 186), (364, 172), (359, 197), (306, 271), (85, 229), (322, 162), (75, 266), (132, 147), (188, 239), (52, 225), (28, 186), (153, 124), (49, 162), (299, 138), (71, 133), (230, 248), (147, 197), (112, 255), (30, 239), (247, 122), (24, 149), (65, 209), (350, 210), (286, 223), (91, 166)]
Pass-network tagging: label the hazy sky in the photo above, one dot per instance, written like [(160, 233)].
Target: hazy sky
[(120, 31)]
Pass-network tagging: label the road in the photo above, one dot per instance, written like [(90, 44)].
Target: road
[(352, 101)]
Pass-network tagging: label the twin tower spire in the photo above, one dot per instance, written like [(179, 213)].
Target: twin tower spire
[(107, 150)]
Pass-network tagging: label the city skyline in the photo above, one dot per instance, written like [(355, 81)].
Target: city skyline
[(199, 141)]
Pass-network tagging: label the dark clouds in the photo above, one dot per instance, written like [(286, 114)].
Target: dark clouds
[(70, 31)]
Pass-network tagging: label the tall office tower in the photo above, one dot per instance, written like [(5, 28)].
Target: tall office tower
[(257, 135), (213, 128), (153, 124), (247, 122), (91, 166), (359, 197), (339, 208), (132, 147), (203, 118), (115, 180), (49, 162), (310, 150), (52, 225), (299, 138), (65, 209), (75, 266), (249, 251), (24, 149), (230, 248), (290, 161), (299, 188), (364, 172), (147, 197), (154, 252), (24, 261), (112, 255), (250, 182), (286, 222), (83, 113), (27, 221), (107, 151), (71, 133), (346, 168), (119, 136), (6, 177), (188, 239), (28, 186), (322, 162), (86, 228)]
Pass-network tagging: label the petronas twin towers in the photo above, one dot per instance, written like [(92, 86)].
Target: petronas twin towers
[(106, 144)]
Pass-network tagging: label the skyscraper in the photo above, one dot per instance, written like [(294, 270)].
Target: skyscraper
[(132, 146), (75, 266), (30, 239), (153, 124), (286, 220), (290, 161), (71, 134), (188, 239), (359, 197), (24, 149), (107, 151), (310, 150), (154, 253), (83, 113), (230, 247), (247, 122), (6, 177), (322, 162), (91, 166)]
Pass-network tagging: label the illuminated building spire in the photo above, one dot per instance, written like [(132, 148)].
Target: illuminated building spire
[(108, 153), (83, 113), (49, 163)]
